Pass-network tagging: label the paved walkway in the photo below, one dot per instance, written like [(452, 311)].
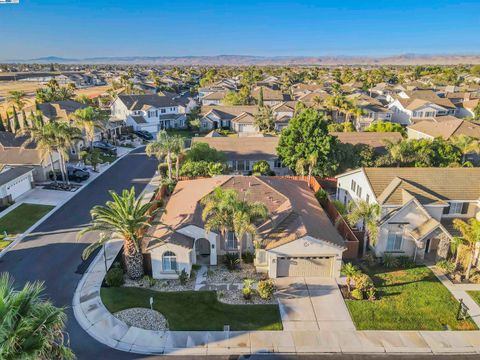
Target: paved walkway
[(312, 303), (459, 291), (201, 278)]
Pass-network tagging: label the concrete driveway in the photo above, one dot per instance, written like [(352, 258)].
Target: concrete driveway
[(312, 303)]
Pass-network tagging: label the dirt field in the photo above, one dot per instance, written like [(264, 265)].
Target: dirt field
[(31, 87)]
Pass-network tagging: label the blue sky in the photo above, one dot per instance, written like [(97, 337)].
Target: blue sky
[(89, 28)]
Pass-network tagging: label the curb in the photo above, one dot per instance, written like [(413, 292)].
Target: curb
[(27, 232)]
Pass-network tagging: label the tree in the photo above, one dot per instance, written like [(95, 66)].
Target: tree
[(241, 97), (305, 134), (265, 119), (349, 271), (163, 148), (470, 237), (475, 70), (466, 145), (261, 167), (8, 124), (385, 126), (30, 326), (369, 215), (65, 137), (202, 151), (17, 98), (88, 120), (124, 217), (260, 98), (16, 123), (2, 125)]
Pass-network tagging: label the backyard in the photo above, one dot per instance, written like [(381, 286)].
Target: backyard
[(409, 299), (21, 218), (194, 310)]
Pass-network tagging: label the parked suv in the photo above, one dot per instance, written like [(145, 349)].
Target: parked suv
[(105, 147), (142, 134), (73, 173)]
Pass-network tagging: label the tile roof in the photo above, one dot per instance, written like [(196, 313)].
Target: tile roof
[(447, 128), (138, 102), (373, 139), (252, 148)]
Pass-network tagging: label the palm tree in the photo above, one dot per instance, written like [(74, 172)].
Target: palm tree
[(126, 218), (349, 271), (30, 327), (369, 214), (470, 238), (17, 99), (164, 146), (312, 162), (466, 145), (65, 137), (44, 138), (89, 120)]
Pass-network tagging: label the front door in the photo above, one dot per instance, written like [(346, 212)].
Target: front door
[(427, 246)]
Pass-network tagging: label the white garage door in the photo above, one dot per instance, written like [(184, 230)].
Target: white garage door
[(305, 266), (19, 187)]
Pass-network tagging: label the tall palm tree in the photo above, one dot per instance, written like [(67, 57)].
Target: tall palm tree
[(17, 99), (311, 162), (164, 147), (89, 119), (178, 145), (369, 214), (124, 217), (44, 138), (66, 136), (466, 145), (470, 237), (30, 326)]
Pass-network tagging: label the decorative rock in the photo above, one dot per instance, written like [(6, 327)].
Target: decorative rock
[(143, 318)]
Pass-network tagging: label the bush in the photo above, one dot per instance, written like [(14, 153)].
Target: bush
[(163, 170), (114, 277), (357, 294), (248, 257), (446, 266), (475, 278), (321, 195), (247, 290), (340, 206), (266, 288), (150, 281), (370, 259), (231, 261), (362, 282), (389, 261), (405, 262), (261, 167), (372, 294), (183, 277)]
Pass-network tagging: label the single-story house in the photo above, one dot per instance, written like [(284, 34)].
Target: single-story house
[(14, 182), (298, 239)]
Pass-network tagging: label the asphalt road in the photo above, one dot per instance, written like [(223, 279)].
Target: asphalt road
[(52, 254)]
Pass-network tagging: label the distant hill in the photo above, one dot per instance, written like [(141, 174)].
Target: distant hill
[(406, 59)]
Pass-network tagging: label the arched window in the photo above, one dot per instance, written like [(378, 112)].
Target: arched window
[(169, 261)]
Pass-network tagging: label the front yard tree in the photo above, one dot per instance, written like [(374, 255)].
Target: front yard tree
[(30, 327), (466, 145), (470, 237), (369, 214), (88, 120), (165, 147), (307, 134), (124, 217), (265, 119), (349, 271)]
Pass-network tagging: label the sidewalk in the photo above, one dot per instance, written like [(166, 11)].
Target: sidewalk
[(459, 291), (95, 319), (54, 198)]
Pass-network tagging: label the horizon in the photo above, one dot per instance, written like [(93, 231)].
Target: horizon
[(99, 29)]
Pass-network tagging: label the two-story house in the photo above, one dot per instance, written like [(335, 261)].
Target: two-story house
[(150, 113), (417, 205)]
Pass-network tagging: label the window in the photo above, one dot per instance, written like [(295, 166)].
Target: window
[(456, 208), (163, 111), (359, 191), (354, 185), (367, 199), (169, 261), (394, 241), (231, 241), (241, 165)]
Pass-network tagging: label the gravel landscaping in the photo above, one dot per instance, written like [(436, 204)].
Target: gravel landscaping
[(161, 285), (143, 318), (221, 275), (235, 297)]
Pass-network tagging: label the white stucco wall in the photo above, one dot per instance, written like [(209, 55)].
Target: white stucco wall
[(184, 261)]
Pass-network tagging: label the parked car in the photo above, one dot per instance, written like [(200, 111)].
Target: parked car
[(73, 173), (105, 147), (142, 134)]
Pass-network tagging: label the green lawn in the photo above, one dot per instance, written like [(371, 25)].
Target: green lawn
[(4, 244), (21, 218), (475, 295), (411, 299), (195, 310), (188, 134)]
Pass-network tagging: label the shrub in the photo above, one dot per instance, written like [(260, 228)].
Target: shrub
[(475, 278), (266, 288), (357, 294), (405, 262), (150, 281), (163, 170), (446, 266), (362, 282), (261, 167), (248, 257), (321, 195), (371, 293), (247, 288), (114, 277), (370, 259), (389, 261), (340, 206), (183, 277), (231, 261)]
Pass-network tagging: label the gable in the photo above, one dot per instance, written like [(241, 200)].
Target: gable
[(307, 245)]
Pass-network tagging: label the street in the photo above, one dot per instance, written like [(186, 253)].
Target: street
[(53, 255)]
